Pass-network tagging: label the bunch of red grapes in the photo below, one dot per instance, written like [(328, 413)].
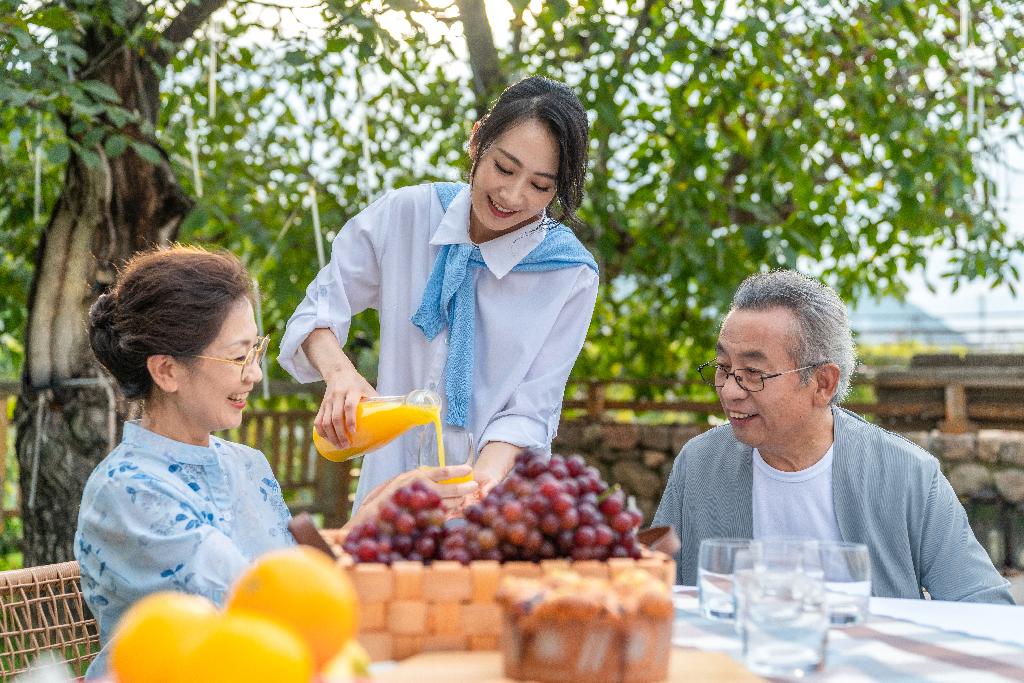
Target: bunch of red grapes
[(548, 508), (409, 526), (545, 508)]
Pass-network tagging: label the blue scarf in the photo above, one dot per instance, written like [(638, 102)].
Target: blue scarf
[(450, 298)]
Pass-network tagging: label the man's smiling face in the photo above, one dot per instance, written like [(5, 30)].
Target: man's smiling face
[(777, 417)]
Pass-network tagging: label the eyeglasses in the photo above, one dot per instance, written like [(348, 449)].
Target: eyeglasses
[(253, 357), (748, 379)]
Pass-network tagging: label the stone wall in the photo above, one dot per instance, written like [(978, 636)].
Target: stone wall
[(986, 469)]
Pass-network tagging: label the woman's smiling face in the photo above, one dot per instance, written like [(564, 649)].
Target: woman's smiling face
[(211, 394), (513, 181)]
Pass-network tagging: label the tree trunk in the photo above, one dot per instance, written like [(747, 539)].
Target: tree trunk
[(66, 417), (488, 78)]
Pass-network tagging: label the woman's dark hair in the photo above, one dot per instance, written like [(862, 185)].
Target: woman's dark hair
[(170, 300), (556, 106)]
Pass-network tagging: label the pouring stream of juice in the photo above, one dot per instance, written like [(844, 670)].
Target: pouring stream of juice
[(380, 420)]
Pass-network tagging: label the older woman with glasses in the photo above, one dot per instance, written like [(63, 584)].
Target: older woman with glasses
[(173, 507)]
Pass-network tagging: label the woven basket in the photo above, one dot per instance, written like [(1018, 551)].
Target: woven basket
[(409, 607), (41, 608)]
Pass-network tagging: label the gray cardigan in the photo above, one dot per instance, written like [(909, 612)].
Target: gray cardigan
[(888, 493)]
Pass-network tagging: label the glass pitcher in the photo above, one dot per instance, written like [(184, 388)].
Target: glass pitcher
[(382, 419)]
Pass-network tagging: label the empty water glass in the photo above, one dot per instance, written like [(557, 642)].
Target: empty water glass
[(783, 621), (780, 554), (743, 562), (847, 573), (715, 576), (788, 554)]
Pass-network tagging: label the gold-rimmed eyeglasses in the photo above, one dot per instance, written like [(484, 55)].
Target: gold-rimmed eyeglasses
[(748, 379), (253, 357)]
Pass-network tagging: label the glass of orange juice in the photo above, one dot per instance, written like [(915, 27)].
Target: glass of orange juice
[(459, 449)]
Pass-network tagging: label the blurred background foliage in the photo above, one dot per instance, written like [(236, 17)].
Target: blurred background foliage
[(845, 139), (852, 140)]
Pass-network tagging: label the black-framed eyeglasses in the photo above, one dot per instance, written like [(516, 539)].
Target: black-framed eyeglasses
[(253, 357), (748, 379)]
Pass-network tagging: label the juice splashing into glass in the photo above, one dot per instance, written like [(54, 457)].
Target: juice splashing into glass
[(455, 446), (440, 457), (381, 419)]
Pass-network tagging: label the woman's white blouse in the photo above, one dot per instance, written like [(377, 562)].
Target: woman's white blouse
[(530, 326)]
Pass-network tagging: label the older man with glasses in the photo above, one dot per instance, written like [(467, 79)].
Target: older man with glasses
[(791, 462)]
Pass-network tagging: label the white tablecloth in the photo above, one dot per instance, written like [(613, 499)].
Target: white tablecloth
[(911, 641), (998, 622)]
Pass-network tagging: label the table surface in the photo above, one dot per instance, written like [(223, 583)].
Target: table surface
[(903, 640), (998, 622), (687, 666)]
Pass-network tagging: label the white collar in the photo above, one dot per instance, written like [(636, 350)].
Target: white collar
[(825, 463), (501, 254)]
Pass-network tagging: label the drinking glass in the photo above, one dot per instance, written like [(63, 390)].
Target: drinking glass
[(743, 562), (847, 572), (783, 621), (799, 555), (715, 576), (789, 554), (459, 449)]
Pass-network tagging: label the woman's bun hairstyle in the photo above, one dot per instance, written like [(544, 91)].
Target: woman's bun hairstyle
[(169, 300)]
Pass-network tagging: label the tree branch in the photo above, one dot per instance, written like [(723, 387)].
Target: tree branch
[(643, 22), (188, 21), (483, 56), (518, 25)]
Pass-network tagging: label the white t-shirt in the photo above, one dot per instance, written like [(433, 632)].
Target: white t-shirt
[(530, 326), (794, 504)]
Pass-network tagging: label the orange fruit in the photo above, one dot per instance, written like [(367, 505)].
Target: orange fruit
[(245, 648), (302, 589), (155, 632)]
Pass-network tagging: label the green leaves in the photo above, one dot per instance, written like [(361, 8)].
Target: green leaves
[(781, 136), (115, 145), (725, 139), (53, 17), (99, 90), (59, 153), (15, 97), (147, 152)]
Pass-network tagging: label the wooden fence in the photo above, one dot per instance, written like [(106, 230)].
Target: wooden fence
[(310, 483), (952, 399)]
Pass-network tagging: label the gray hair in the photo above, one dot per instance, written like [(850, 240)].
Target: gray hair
[(824, 328)]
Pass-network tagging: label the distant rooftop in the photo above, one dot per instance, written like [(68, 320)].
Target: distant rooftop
[(886, 320)]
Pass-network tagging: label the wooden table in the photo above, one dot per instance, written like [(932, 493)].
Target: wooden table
[(485, 667)]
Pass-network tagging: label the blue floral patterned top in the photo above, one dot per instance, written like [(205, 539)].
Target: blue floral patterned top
[(158, 514)]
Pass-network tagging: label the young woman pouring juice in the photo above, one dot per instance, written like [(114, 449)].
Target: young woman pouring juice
[(484, 296)]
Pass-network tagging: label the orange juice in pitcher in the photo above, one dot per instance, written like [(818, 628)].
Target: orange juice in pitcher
[(382, 419)]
